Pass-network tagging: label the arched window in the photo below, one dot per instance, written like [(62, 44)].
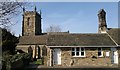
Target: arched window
[(38, 52), (44, 51), (30, 50)]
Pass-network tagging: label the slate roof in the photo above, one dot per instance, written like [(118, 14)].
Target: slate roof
[(80, 40), (31, 40), (115, 34), (68, 39)]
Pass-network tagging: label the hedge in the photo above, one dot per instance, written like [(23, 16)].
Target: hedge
[(16, 61)]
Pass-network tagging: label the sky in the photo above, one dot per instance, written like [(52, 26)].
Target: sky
[(61, 0), (77, 17)]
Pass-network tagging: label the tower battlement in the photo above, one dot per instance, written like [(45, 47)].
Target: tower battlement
[(31, 24)]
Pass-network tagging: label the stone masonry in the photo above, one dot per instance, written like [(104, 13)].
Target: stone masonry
[(67, 60), (31, 24)]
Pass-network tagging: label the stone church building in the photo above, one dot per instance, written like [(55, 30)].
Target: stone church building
[(70, 49)]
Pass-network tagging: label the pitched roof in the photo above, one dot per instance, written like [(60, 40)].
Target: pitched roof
[(80, 40), (67, 39), (41, 40), (115, 34)]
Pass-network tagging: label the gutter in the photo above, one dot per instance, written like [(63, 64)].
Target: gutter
[(83, 46)]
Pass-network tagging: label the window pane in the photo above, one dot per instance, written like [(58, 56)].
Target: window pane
[(82, 53), (82, 49), (73, 53), (77, 49), (73, 49), (77, 53)]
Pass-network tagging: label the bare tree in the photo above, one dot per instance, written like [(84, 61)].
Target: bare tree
[(53, 28), (10, 10)]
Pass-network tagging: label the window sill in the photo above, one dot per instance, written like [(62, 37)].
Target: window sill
[(79, 56), (100, 56)]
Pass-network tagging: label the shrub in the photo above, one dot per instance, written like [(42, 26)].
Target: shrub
[(26, 58), (16, 57), (10, 61), (5, 61)]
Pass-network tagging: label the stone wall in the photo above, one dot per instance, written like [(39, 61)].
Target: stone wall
[(68, 60), (31, 23), (66, 56), (25, 49), (47, 58), (29, 29)]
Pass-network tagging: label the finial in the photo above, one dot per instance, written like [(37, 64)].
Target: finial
[(101, 10), (23, 9), (35, 8), (40, 12), (19, 35)]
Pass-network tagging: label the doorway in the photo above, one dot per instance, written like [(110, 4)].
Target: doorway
[(57, 56), (114, 58)]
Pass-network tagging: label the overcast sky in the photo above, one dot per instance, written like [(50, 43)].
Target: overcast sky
[(77, 17)]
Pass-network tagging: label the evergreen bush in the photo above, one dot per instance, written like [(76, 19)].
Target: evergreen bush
[(10, 61)]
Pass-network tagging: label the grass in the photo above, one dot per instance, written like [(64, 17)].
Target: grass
[(39, 61)]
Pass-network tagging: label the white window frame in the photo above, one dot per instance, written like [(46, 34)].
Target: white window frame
[(75, 52), (101, 52)]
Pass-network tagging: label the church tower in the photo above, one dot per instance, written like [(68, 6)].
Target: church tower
[(102, 21), (31, 24)]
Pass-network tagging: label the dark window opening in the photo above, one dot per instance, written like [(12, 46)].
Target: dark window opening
[(77, 53), (73, 49), (28, 21), (82, 49), (77, 49), (82, 53), (73, 53), (99, 51), (99, 54)]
